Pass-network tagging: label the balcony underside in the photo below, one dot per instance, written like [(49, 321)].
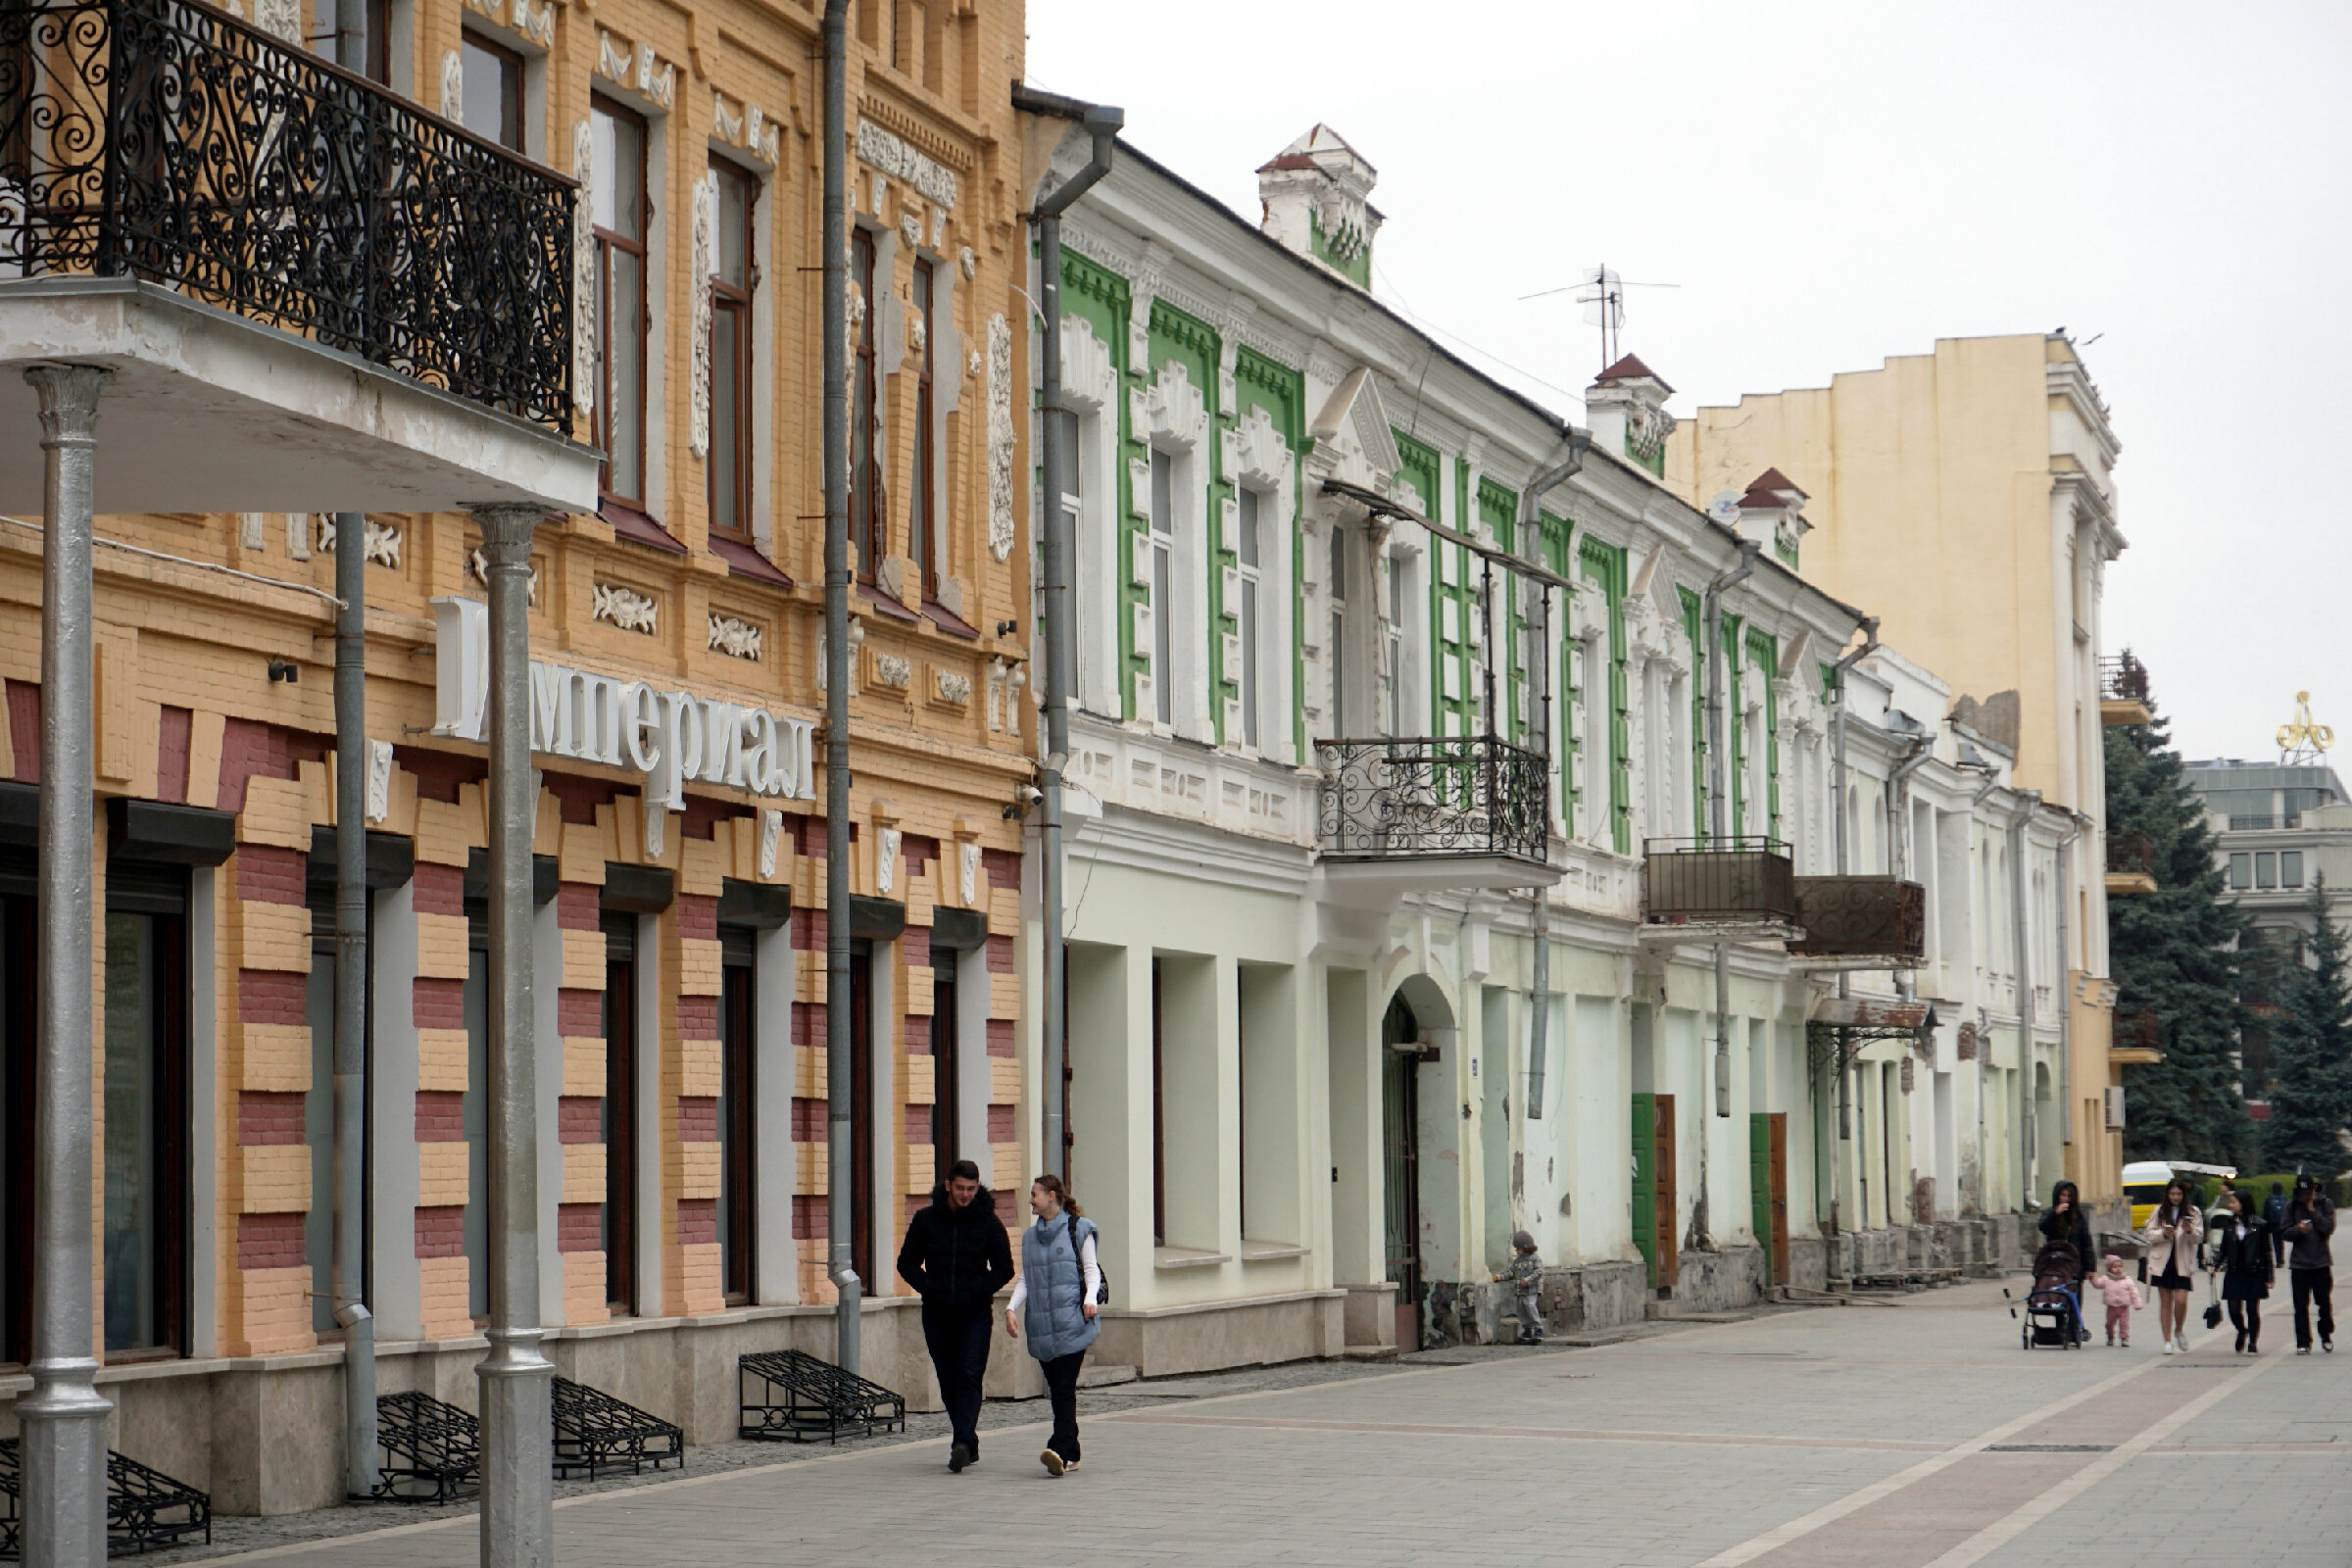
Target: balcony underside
[(2131, 882), (1831, 962), (2134, 1055), (1674, 933), (209, 412), (1391, 877), (2125, 710)]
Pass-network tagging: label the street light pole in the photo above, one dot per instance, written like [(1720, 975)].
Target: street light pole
[(64, 1418), (518, 1492)]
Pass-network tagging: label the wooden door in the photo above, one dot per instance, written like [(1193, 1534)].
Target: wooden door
[(1669, 1243), (1759, 1191), (1778, 1157), (1646, 1181)]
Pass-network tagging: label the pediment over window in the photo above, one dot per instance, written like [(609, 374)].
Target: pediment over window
[(1351, 434)]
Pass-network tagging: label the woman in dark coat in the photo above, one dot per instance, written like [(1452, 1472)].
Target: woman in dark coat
[(2242, 1256), (2065, 1221)]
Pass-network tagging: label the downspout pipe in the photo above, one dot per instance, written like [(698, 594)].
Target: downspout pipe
[(2064, 992), (350, 940), (1718, 819), (1060, 461), (2028, 802), (840, 1048), (1530, 542), (1845, 1114)]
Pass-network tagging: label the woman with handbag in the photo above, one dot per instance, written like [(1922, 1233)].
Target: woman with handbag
[(2171, 1237), (2242, 1256), (1061, 1289)]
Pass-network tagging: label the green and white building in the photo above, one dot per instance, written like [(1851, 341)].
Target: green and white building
[(1348, 702)]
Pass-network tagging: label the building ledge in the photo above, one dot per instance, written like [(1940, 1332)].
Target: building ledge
[(1268, 1251), (1187, 1257), (2127, 882), (2134, 1055)]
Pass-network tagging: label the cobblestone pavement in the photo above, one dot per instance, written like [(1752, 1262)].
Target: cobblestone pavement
[(1908, 1435)]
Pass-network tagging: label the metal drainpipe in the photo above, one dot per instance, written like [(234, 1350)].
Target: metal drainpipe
[(350, 940), (1845, 1117), (1530, 528), (1984, 1031), (63, 1418), (1712, 609), (1059, 459), (2028, 802), (2062, 989), (841, 1213)]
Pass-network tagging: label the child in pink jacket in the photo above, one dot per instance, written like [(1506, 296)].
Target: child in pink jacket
[(2123, 1295)]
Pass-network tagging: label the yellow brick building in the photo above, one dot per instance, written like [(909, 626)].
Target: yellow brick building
[(681, 924)]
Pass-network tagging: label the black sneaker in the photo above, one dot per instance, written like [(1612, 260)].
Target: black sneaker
[(958, 1456)]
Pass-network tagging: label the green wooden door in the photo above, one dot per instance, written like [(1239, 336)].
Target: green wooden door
[(1759, 1184), (1646, 1181)]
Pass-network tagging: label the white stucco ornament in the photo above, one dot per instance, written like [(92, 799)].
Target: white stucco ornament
[(999, 436), (583, 269), (705, 262), (624, 608), (969, 869), (771, 830)]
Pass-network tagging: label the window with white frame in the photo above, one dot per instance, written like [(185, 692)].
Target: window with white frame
[(1162, 548), (1336, 650), (1249, 510), (1593, 757), (1404, 711)]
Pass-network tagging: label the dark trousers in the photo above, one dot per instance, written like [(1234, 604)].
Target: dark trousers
[(2246, 1317), (957, 1338), (1062, 1383), (2311, 1284)]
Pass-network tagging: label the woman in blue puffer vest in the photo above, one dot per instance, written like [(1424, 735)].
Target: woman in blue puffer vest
[(1060, 1284)]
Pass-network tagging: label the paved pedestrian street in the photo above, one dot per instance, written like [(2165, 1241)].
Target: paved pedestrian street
[(1914, 1433)]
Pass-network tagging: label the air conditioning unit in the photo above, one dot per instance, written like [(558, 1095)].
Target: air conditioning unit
[(2115, 1108)]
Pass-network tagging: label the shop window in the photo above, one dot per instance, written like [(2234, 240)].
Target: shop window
[(621, 213), (731, 352), (20, 953), (619, 1122), (947, 1105), (862, 1114), (738, 1133), (144, 1097), (490, 95)]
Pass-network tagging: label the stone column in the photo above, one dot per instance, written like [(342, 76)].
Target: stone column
[(517, 1424), (63, 1418)]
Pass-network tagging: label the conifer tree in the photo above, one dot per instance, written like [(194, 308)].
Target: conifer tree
[(2174, 951), (2310, 1092)]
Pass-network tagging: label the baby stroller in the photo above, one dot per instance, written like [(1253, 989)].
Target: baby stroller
[(2051, 1317)]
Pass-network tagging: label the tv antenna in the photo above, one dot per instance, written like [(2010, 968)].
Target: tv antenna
[(1600, 290)]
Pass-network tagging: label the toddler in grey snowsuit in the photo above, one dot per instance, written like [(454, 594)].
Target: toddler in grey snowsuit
[(1525, 1274)]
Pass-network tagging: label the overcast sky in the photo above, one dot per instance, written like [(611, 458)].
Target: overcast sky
[(1830, 185)]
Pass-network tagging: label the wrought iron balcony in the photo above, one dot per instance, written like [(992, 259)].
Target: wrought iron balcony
[(1745, 883), (2130, 864), (2124, 691), (172, 142), (1861, 922), (2137, 1036), (1431, 799)]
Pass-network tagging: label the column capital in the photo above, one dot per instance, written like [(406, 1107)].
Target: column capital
[(507, 527), (68, 400)]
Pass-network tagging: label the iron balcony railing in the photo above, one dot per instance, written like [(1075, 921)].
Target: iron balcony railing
[(1862, 917), (1723, 881), (2124, 678), (2138, 1029), (1428, 798), (2130, 855), (172, 142)]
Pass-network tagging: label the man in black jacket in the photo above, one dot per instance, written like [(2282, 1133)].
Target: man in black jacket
[(2309, 1221), (957, 1257)]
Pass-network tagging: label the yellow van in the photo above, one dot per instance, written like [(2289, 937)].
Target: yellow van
[(2145, 1180)]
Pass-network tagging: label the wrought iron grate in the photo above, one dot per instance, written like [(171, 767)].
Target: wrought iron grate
[(1419, 797), (597, 1435), (432, 1449), (793, 1396), (146, 1510)]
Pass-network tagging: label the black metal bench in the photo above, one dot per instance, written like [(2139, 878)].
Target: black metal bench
[(432, 1449), (791, 1396), (146, 1510), (597, 1435)]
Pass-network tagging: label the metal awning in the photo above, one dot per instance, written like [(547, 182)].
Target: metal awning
[(1382, 504)]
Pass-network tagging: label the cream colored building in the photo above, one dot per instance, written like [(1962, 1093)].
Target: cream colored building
[(1966, 497)]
